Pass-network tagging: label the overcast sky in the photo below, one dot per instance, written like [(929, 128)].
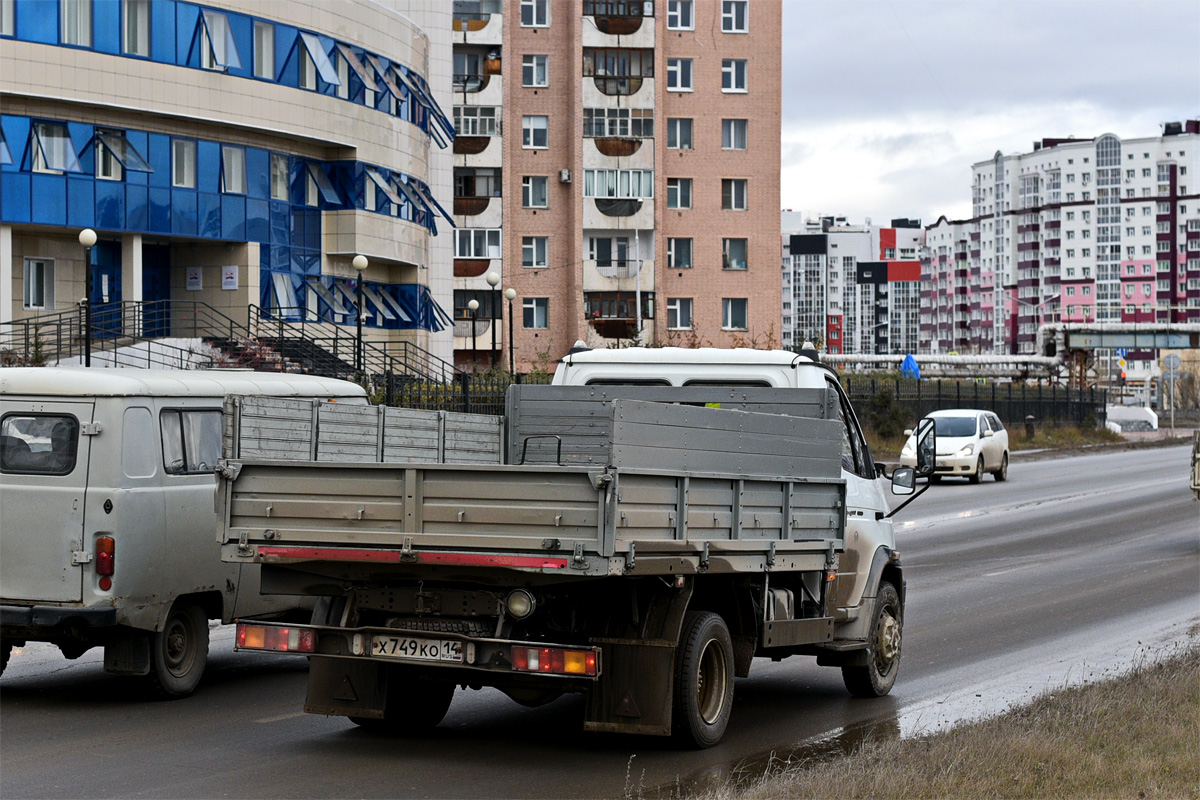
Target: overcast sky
[(888, 103)]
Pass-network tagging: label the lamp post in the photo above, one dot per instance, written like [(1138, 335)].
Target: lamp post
[(511, 294), (473, 306), (87, 238), (493, 279), (359, 263)]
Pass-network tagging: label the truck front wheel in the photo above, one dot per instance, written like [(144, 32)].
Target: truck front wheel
[(703, 679), (876, 678), (179, 651)]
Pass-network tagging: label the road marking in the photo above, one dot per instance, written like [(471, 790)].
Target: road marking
[(1002, 572), (280, 718)]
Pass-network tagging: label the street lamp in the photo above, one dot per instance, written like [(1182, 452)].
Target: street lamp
[(87, 238), (473, 306), (511, 294), (493, 279), (359, 263)]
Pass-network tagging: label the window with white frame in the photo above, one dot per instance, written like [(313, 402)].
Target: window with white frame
[(53, 150), (534, 192), (734, 15), (38, 290), (343, 74), (477, 243), (7, 26), (535, 13), (681, 15), (535, 131), (135, 28), (618, 183), (621, 123), (108, 166), (679, 313), (679, 75), (476, 121), (264, 50), (534, 70), (76, 19), (233, 170), (308, 70), (536, 312), (733, 75), (733, 134), (279, 177), (679, 133), (679, 252), (733, 194), (183, 163), (679, 192), (218, 49), (533, 251), (733, 253), (733, 314)]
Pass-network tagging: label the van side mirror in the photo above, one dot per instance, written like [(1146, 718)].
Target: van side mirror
[(904, 480), (926, 447)]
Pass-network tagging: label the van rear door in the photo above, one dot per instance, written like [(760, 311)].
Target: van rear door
[(43, 482)]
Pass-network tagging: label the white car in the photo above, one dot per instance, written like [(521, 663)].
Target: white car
[(970, 442)]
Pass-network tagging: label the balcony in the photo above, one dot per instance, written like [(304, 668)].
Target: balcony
[(471, 145), (470, 83), (479, 21), (470, 206), (617, 147), (618, 17)]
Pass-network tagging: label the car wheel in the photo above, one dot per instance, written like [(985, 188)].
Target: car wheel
[(977, 475), (703, 697), (877, 677), (1002, 473)]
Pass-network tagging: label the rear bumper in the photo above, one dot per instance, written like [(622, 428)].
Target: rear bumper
[(34, 617)]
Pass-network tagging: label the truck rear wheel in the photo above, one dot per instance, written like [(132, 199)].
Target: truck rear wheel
[(703, 697), (876, 678), (179, 651), (413, 706)]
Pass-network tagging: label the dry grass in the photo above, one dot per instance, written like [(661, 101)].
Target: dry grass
[(1136, 736)]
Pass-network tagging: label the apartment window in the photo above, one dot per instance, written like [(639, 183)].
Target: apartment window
[(733, 254), (218, 50), (233, 170), (679, 313), (533, 191), (108, 166), (733, 134), (476, 121), (681, 15), (609, 251), (533, 252), (183, 163), (536, 312), (534, 70), (733, 314), (76, 17), (534, 131), (7, 28), (39, 284), (733, 194), (264, 50), (618, 183), (733, 16), (679, 133), (53, 150), (477, 182), (618, 122), (679, 253), (733, 75), (136, 27), (679, 192), (308, 70), (477, 243), (679, 75), (535, 13)]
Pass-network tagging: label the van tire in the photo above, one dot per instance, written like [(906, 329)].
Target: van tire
[(877, 676), (704, 668), (416, 706), (179, 651)]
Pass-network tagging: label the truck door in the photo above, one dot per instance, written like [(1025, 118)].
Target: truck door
[(44, 448)]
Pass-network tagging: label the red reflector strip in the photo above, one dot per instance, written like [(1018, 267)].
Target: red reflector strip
[(392, 556), (554, 660), (280, 639), (329, 554), (484, 560)]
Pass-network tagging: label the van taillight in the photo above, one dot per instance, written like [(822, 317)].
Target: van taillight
[(105, 555)]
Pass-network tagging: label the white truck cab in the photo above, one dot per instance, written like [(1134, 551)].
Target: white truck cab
[(107, 512)]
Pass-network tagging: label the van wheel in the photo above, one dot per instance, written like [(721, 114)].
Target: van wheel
[(179, 651), (703, 680), (876, 678), (977, 475), (1002, 473), (413, 707)]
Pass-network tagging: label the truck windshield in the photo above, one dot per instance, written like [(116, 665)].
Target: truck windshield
[(38, 444), (954, 426)]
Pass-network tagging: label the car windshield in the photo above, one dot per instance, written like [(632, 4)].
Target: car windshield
[(954, 426)]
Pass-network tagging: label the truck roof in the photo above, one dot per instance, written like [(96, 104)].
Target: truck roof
[(687, 365), (85, 382)]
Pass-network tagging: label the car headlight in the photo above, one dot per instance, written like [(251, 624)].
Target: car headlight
[(966, 451)]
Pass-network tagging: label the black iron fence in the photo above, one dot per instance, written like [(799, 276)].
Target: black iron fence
[(477, 393)]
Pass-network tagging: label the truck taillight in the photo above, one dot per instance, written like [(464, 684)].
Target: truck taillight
[(553, 660), (274, 637), (105, 556)]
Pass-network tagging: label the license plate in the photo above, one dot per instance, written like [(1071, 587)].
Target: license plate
[(413, 648), (943, 464)]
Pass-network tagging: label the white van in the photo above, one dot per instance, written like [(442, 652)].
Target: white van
[(108, 513)]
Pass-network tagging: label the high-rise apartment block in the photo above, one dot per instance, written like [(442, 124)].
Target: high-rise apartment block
[(617, 166)]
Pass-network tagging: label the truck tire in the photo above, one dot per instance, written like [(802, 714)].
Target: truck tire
[(977, 475), (875, 679), (420, 704), (179, 651), (703, 697)]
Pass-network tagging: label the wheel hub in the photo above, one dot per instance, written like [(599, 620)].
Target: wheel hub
[(888, 647)]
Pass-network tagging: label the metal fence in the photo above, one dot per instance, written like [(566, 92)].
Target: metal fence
[(1012, 402), (478, 393)]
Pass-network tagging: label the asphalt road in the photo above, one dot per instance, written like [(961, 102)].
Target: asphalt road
[(1071, 568)]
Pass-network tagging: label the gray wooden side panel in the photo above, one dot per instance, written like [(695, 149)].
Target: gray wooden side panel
[(348, 433), (270, 427)]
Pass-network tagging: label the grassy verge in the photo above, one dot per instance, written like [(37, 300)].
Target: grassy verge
[(1136, 736), (1061, 438)]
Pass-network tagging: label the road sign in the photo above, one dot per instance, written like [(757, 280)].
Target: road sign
[(1121, 352), (1120, 362), (1171, 361)]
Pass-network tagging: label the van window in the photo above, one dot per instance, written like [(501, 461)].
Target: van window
[(191, 441), (38, 444), (629, 382), (728, 383)]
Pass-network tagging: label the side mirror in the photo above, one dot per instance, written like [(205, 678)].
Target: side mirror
[(985, 434), (904, 480), (926, 448), (908, 431)]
